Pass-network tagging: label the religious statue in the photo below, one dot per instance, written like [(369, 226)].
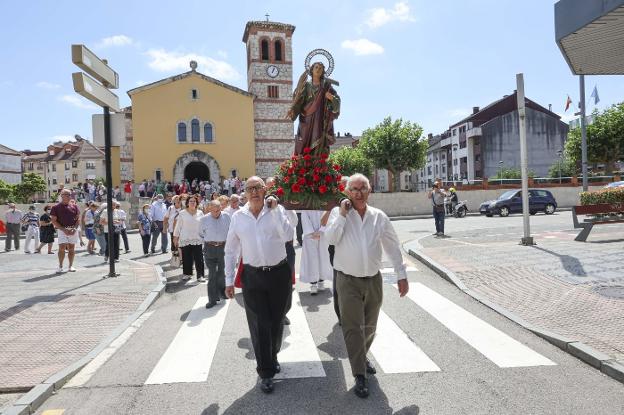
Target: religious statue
[(317, 105)]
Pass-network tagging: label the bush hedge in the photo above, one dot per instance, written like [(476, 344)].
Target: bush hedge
[(611, 196)]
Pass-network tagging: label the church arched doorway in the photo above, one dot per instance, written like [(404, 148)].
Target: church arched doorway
[(196, 165), (196, 170)]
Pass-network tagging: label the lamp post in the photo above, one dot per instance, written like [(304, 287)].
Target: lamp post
[(560, 153), (500, 171)]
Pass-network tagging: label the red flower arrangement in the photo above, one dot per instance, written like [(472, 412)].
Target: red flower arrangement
[(306, 181)]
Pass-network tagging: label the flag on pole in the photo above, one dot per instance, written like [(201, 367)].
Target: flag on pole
[(594, 95), (568, 102)]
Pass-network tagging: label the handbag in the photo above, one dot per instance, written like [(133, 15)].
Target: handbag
[(24, 227), (175, 261)]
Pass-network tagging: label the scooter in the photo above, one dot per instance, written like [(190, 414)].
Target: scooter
[(460, 209)]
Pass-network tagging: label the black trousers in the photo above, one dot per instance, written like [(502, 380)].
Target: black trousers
[(192, 254), (299, 230), (124, 237), (332, 250), (214, 257), (266, 296), (115, 246), (146, 242)]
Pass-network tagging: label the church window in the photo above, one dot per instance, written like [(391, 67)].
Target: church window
[(264, 49), (181, 131), (195, 131), (278, 51), (194, 94), (208, 133), (273, 91)]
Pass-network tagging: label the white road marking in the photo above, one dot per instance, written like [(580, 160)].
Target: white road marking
[(94, 365), (391, 270), (299, 356), (189, 356), (395, 352), (497, 346)]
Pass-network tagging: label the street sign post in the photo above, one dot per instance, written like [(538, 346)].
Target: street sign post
[(527, 239), (99, 94)]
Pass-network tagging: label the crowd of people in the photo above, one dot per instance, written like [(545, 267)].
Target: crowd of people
[(245, 241)]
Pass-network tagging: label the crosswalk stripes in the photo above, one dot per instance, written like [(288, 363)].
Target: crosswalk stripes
[(497, 346), (300, 359), (200, 331)]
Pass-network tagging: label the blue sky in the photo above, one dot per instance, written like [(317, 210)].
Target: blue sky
[(427, 62)]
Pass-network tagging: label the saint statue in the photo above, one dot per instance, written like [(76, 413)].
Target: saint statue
[(317, 105)]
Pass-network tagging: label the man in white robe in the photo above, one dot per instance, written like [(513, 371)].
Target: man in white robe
[(315, 266)]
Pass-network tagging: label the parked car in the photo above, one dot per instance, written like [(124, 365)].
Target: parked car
[(511, 202), (614, 184)]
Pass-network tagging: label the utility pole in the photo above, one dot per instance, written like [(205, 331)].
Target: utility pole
[(583, 133), (526, 239)]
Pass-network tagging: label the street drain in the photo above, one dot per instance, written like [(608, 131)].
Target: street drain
[(611, 292)]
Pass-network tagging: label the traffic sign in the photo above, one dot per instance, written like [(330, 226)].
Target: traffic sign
[(94, 66), (95, 92)]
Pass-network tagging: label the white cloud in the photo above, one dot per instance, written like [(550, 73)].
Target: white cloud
[(222, 54), (117, 40), (166, 61), (363, 47), (47, 85), (380, 16), (77, 102)]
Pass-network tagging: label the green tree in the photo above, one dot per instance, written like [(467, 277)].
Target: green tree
[(565, 165), (395, 146), (605, 138), (31, 183), (6, 191), (510, 173), (352, 160)]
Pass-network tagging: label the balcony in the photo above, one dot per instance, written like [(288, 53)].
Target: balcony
[(473, 132)]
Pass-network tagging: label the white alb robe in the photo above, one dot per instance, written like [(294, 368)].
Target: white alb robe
[(315, 263)]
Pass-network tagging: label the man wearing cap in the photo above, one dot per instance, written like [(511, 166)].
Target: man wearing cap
[(258, 232), (65, 217), (213, 229), (157, 213), (13, 229)]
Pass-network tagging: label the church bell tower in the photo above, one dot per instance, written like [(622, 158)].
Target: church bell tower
[(269, 78)]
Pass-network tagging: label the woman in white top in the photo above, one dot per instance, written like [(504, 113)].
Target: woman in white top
[(186, 236), (315, 266), (170, 217)]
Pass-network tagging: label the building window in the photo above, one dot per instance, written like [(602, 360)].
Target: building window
[(74, 177), (30, 166), (454, 162), (264, 50), (195, 131), (478, 157), (194, 94), (66, 166), (208, 133), (74, 163), (454, 131), (53, 167), (53, 181), (273, 91), (181, 131), (67, 181), (443, 169), (278, 51), (429, 171), (90, 165), (158, 175)]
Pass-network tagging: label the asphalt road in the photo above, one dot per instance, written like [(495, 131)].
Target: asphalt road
[(467, 381)]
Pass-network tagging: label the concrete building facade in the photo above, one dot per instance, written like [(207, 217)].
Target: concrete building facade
[(10, 165)]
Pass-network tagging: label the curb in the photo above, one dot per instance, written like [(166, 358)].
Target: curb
[(587, 354), (29, 402), (429, 216)]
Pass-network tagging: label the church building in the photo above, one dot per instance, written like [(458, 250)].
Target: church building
[(193, 126)]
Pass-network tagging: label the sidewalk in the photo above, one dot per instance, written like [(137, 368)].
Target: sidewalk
[(565, 291), (49, 321)]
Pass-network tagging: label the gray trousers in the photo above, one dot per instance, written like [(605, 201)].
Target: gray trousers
[(13, 231), (157, 230), (360, 301), (214, 259)]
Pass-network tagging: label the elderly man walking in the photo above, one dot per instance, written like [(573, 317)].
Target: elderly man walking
[(157, 213), (213, 229), (358, 232), (13, 227), (65, 217), (258, 232)]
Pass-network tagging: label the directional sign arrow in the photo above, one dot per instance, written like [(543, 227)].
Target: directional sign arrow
[(93, 91), (94, 66)]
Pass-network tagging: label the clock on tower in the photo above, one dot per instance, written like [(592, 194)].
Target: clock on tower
[(269, 78)]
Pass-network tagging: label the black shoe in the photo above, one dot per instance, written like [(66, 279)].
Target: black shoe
[(286, 321), (370, 369), (223, 297), (361, 386), (278, 368), (266, 385), (210, 305)]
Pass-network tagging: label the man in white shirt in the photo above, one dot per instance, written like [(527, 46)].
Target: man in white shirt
[(157, 213), (358, 232), (213, 229), (259, 232), (226, 187), (234, 205)]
